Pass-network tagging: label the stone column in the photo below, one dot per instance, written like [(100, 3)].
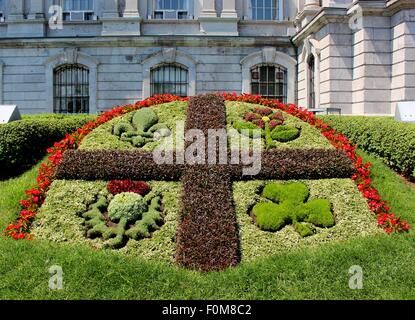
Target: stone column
[(208, 9), (312, 4), (36, 9), (131, 9), (110, 9), (229, 9), (113, 25), (16, 10)]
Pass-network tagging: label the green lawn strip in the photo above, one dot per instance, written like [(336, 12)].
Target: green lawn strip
[(320, 273), (399, 194)]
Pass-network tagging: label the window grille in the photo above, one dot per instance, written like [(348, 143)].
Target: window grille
[(71, 89), (269, 81), (169, 78)]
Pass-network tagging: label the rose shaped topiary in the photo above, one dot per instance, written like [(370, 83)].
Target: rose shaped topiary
[(127, 205)]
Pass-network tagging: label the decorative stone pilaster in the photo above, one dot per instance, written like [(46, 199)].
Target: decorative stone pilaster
[(229, 9), (36, 10), (211, 24), (114, 25), (131, 9), (15, 10), (208, 9), (19, 27)]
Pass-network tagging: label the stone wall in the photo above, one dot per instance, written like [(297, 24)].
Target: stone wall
[(119, 72), (403, 57), (372, 66)]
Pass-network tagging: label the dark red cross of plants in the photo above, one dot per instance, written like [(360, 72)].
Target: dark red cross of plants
[(274, 165), (207, 237)]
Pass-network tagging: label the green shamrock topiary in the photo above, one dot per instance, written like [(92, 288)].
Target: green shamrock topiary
[(286, 206)]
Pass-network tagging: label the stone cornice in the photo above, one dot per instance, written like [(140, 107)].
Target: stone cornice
[(325, 16), (146, 41), (394, 6), (332, 14)]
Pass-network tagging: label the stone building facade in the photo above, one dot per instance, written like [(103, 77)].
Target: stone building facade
[(89, 55)]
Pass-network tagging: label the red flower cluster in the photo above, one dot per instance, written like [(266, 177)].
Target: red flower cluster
[(119, 186), (35, 197), (386, 219)]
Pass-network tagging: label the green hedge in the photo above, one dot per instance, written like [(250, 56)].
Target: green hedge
[(24, 142), (385, 137)]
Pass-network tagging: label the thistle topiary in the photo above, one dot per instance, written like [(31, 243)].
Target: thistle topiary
[(127, 205), (150, 221)]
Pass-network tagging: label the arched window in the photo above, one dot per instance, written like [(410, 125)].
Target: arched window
[(169, 78), (312, 74), (269, 81), (71, 89)]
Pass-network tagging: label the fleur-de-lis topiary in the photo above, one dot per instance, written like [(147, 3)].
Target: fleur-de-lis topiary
[(287, 205), (144, 128), (271, 124)]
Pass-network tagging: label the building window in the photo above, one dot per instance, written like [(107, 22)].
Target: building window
[(269, 81), (169, 78), (71, 89), (171, 9), (264, 9), (312, 74), (78, 10)]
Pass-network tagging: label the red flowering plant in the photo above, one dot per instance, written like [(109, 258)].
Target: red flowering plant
[(119, 186), (35, 197)]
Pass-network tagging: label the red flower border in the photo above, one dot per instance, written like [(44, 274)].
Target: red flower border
[(35, 197)]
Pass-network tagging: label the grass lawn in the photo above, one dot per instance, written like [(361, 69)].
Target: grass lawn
[(320, 273)]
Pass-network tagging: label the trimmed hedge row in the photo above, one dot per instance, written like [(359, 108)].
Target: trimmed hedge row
[(384, 137), (24, 142), (284, 164)]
